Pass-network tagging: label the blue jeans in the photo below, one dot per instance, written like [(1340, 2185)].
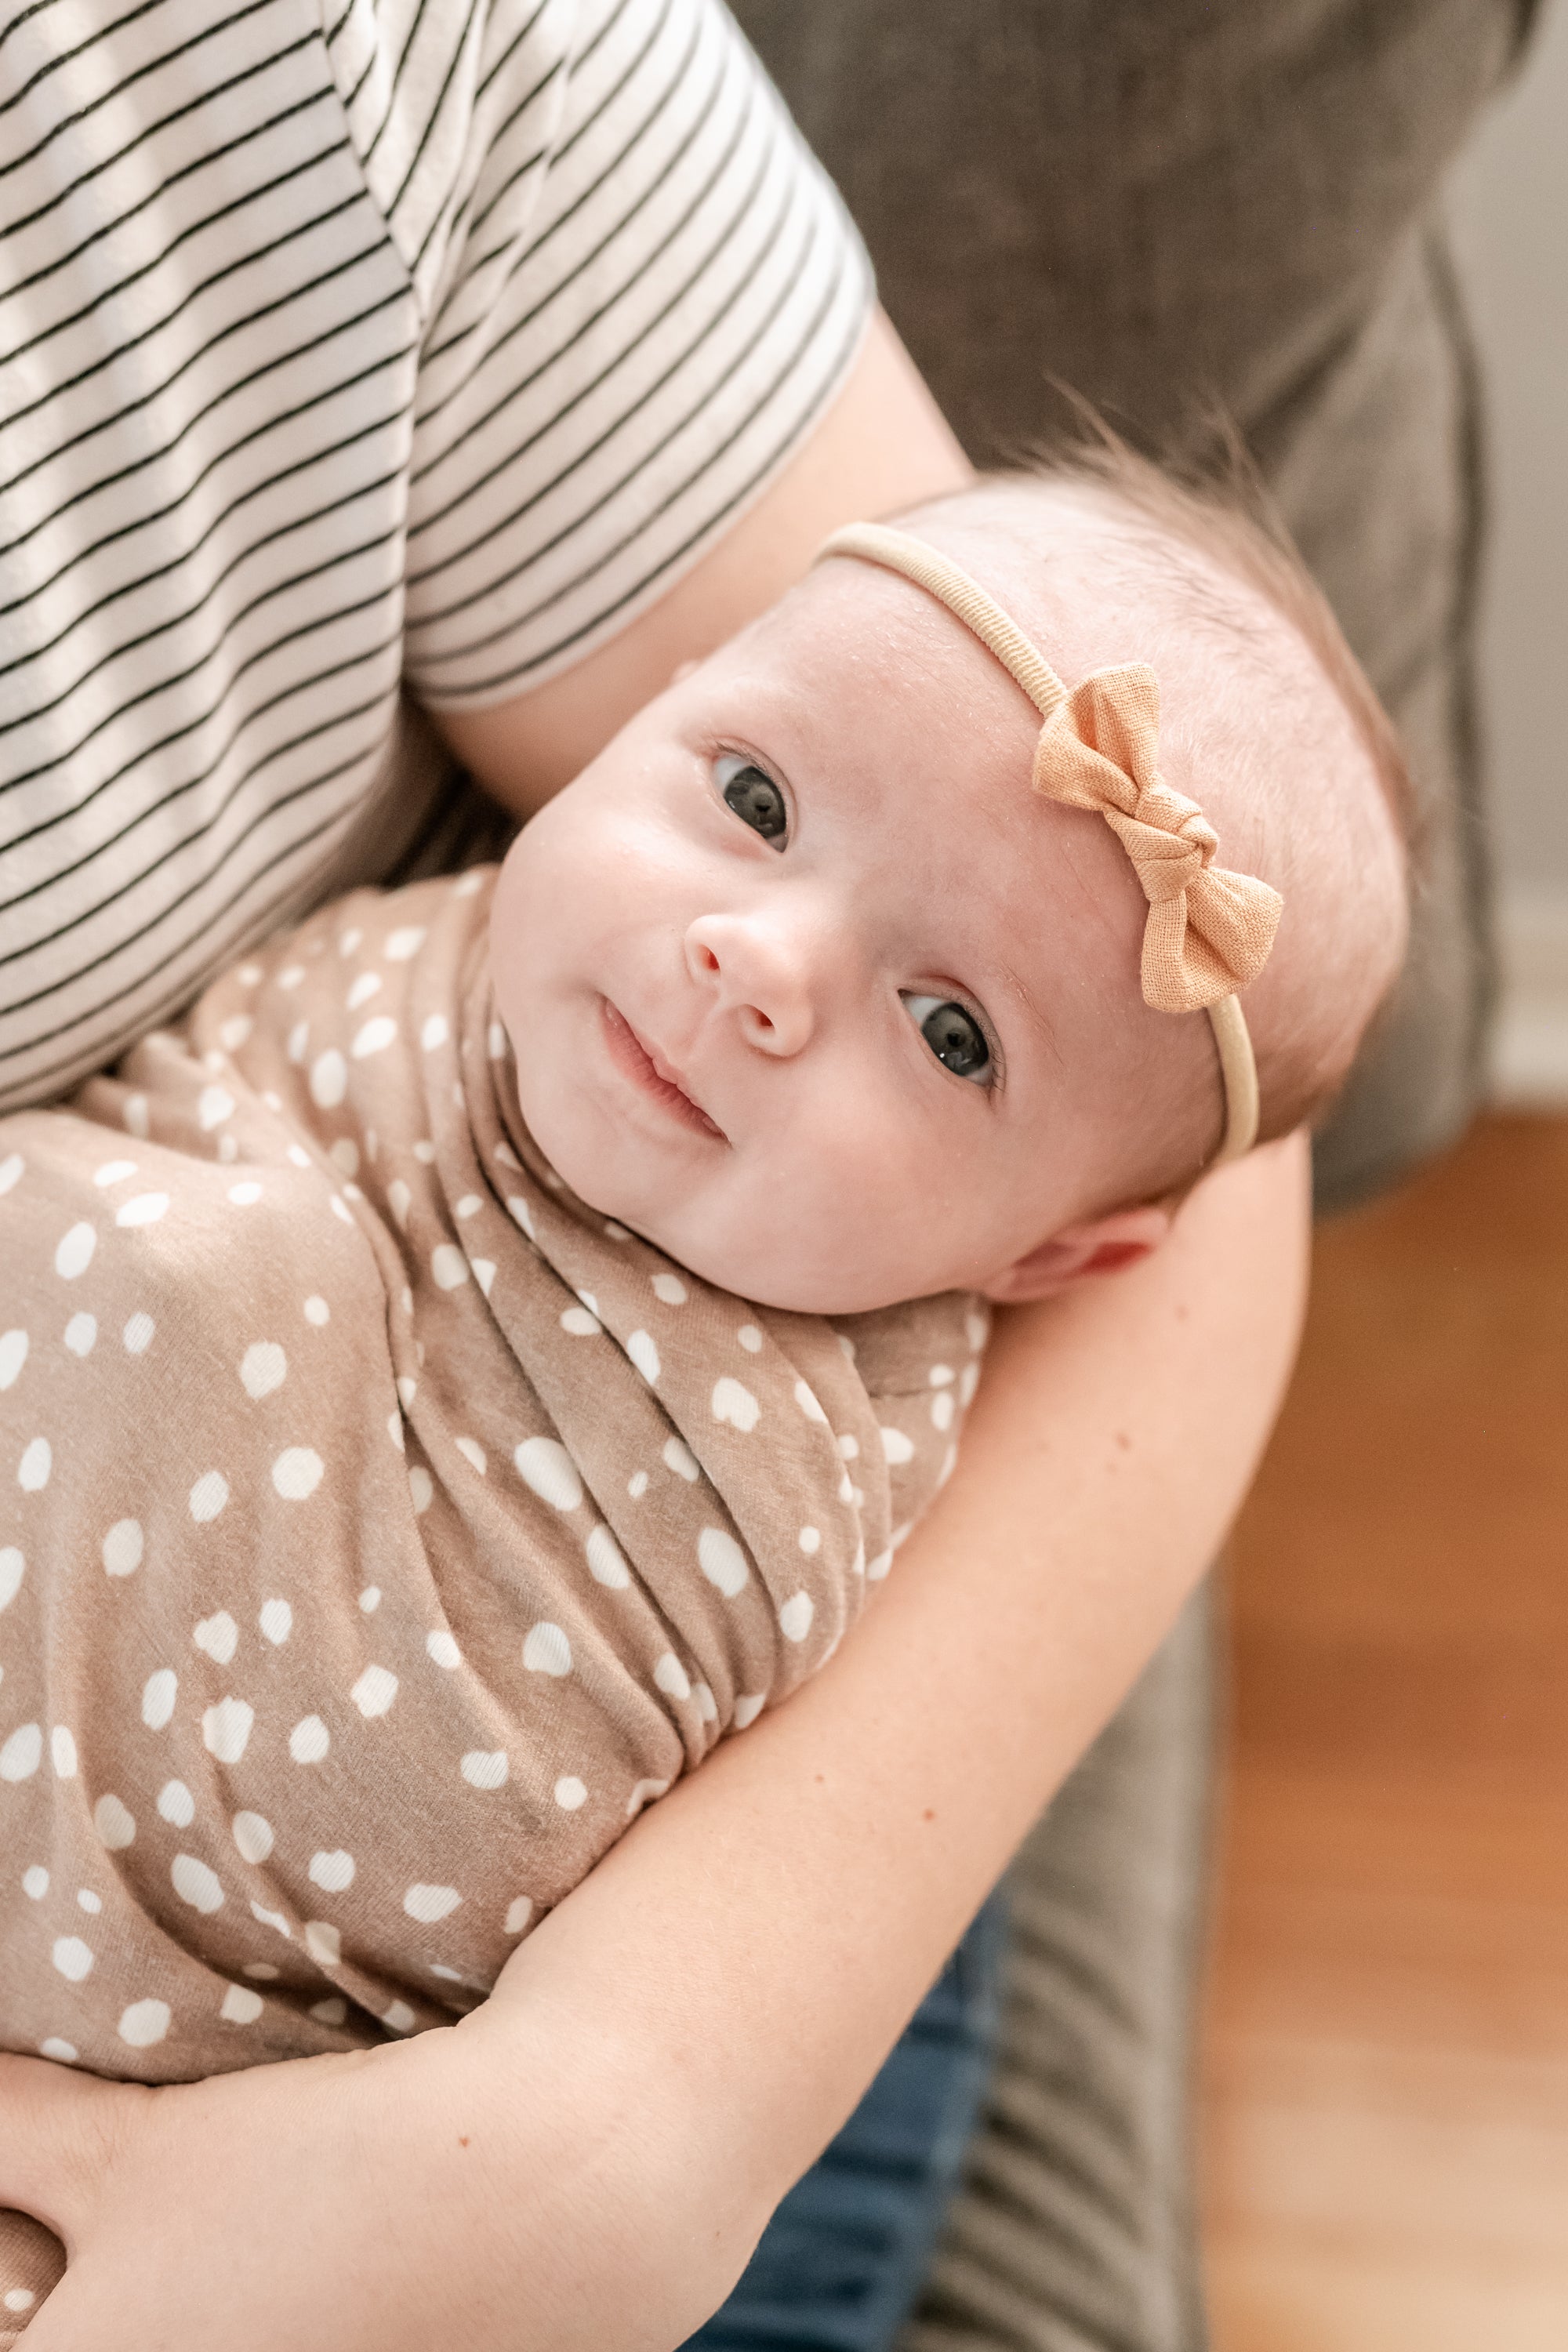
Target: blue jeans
[(843, 2259)]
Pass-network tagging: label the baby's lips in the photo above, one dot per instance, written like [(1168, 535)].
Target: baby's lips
[(652, 1069)]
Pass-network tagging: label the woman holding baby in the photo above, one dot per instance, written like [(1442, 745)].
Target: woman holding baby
[(512, 364)]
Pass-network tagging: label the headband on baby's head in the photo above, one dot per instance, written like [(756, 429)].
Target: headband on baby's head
[(1208, 932)]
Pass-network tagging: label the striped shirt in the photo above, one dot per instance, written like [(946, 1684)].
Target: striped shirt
[(348, 346)]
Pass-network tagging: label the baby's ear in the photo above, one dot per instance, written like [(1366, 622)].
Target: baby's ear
[(1104, 1246)]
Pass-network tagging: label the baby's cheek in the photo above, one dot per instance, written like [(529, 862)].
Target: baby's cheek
[(512, 929), (846, 1219), (914, 1213)]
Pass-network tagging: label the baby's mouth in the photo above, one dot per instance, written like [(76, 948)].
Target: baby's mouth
[(647, 1068)]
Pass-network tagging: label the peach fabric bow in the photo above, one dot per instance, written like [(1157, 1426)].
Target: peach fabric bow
[(1208, 932)]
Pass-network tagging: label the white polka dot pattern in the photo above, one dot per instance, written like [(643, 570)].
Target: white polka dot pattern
[(432, 1523)]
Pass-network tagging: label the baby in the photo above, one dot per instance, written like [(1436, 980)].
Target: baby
[(470, 1369)]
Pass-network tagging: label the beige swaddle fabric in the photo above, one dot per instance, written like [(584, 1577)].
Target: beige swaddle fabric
[(382, 1527)]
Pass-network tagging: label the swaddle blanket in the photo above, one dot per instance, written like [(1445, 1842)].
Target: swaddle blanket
[(382, 1527)]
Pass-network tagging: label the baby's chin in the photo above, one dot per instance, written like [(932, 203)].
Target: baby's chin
[(805, 1284)]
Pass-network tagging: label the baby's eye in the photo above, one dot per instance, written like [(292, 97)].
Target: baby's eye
[(753, 796), (955, 1037)]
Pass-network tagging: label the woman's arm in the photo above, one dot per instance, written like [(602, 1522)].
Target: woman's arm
[(584, 2164), (783, 1913)]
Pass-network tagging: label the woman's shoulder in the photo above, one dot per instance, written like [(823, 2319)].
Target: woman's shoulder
[(438, 101)]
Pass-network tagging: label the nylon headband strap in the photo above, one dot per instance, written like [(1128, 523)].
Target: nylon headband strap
[(897, 550)]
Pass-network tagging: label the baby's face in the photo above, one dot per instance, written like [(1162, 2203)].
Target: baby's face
[(804, 983)]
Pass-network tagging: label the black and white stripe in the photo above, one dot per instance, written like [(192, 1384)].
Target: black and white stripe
[(342, 346)]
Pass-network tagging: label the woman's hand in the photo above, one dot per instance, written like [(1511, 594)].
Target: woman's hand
[(584, 2164), (470, 2187)]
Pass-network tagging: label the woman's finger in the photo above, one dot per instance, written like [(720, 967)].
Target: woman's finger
[(59, 2133)]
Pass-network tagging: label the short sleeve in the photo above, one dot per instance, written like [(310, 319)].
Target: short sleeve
[(638, 293)]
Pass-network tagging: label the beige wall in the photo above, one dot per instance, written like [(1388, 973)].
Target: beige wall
[(1510, 217)]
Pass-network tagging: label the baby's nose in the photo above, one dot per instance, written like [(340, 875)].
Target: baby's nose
[(759, 972)]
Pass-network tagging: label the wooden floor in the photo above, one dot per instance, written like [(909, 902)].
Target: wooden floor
[(1386, 2092)]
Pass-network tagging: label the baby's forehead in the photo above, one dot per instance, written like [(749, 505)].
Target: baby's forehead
[(1059, 563), (1094, 574), (1093, 582), (882, 652)]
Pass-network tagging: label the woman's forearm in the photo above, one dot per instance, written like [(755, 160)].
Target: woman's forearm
[(746, 1956)]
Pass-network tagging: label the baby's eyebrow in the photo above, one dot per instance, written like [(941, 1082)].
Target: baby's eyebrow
[(1031, 1006)]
